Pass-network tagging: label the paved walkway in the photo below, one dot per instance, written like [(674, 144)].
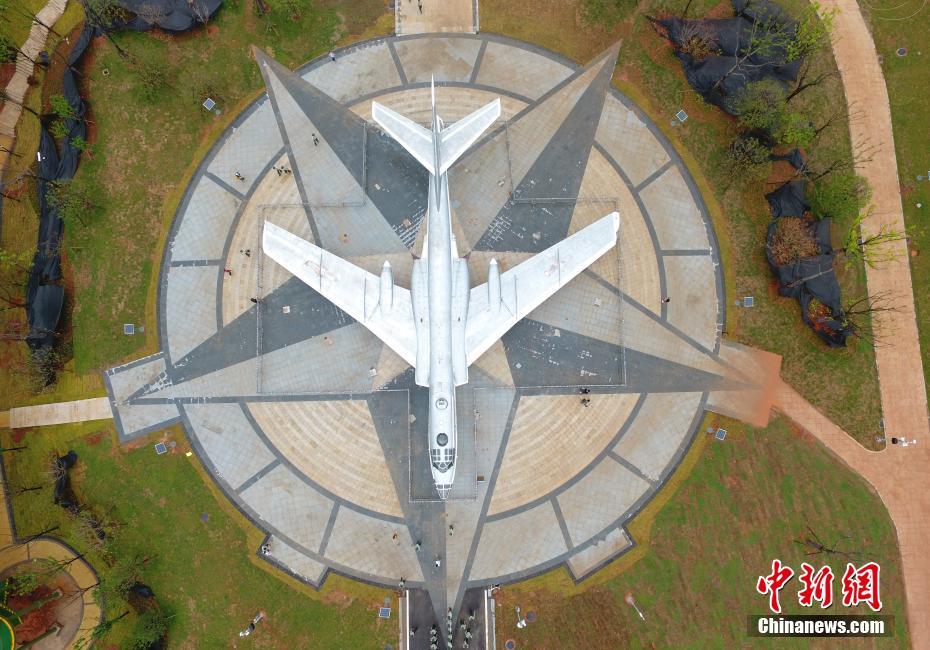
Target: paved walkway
[(899, 474), (901, 377), (431, 16), (95, 408), (17, 86)]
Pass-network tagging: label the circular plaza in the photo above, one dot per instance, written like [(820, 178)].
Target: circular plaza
[(317, 431)]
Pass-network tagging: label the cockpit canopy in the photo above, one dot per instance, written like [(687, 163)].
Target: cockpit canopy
[(442, 459)]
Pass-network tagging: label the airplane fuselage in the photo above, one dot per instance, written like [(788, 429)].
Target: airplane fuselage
[(441, 324), (440, 303)]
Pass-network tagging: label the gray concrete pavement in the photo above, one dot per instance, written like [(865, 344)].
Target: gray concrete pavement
[(259, 386)]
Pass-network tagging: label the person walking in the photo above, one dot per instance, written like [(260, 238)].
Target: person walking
[(239, 176), (332, 55)]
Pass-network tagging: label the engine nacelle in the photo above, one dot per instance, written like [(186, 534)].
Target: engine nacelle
[(387, 287), (494, 286)]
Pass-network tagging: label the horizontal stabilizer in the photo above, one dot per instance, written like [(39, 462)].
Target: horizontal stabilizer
[(410, 135), (463, 134)]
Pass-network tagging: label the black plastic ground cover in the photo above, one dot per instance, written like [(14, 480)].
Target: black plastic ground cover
[(719, 77), (811, 277), (58, 162)]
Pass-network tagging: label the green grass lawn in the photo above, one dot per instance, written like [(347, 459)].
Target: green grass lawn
[(16, 21), (201, 571), (746, 501), (841, 383), (146, 144), (907, 79)]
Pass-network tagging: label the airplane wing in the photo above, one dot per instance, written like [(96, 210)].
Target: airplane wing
[(497, 305), (375, 302)]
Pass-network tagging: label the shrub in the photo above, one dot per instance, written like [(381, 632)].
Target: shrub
[(749, 155), (840, 196), (153, 77), (792, 240)]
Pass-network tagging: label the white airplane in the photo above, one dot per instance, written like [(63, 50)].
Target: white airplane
[(441, 325)]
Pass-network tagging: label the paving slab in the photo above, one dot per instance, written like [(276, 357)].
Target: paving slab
[(293, 560), (211, 209), (673, 212), (95, 408), (658, 433), (440, 59), (591, 505), (630, 142), (123, 382), (248, 146), (229, 440), (367, 545), (290, 507), (359, 70), (592, 557), (522, 71), (693, 308), (335, 444), (541, 455), (430, 16), (190, 306), (517, 543)]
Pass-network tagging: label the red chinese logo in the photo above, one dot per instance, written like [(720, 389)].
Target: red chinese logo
[(817, 587), (773, 583), (861, 586)]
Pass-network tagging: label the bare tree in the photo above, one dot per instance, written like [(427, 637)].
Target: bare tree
[(151, 13), (805, 80), (32, 538), (816, 169), (200, 11), (19, 490), (812, 541), (860, 317)]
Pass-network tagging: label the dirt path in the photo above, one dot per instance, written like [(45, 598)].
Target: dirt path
[(901, 377), (17, 86)]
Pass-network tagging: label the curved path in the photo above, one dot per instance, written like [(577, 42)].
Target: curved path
[(899, 474), (12, 551), (18, 85)]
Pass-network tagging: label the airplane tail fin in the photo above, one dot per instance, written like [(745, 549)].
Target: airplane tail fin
[(454, 140)]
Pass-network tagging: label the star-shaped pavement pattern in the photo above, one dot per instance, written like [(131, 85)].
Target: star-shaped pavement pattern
[(318, 431)]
